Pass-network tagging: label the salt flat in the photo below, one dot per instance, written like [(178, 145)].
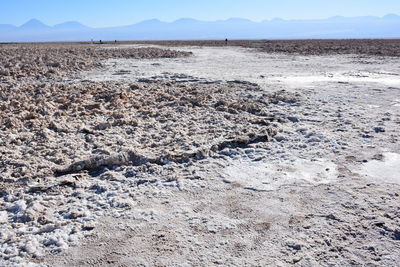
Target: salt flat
[(320, 193), (225, 156)]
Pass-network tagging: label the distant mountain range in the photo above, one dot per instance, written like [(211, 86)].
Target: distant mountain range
[(187, 28)]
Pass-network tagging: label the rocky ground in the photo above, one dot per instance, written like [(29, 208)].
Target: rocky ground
[(208, 156)]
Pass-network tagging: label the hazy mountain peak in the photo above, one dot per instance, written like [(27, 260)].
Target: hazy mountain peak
[(185, 20), (70, 25), (150, 22), (391, 16), (188, 28), (238, 20), (34, 24)]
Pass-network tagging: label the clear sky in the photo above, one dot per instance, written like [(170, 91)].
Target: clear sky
[(100, 13)]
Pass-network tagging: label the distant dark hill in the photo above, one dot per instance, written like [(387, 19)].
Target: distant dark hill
[(189, 29)]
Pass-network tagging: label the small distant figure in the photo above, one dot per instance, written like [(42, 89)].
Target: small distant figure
[(101, 42), (226, 41), (115, 41)]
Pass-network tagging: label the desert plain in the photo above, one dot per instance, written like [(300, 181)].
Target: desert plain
[(200, 153)]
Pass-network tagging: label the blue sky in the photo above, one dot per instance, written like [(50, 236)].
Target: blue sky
[(99, 13)]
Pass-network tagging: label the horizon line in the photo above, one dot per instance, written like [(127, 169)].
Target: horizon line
[(188, 18)]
